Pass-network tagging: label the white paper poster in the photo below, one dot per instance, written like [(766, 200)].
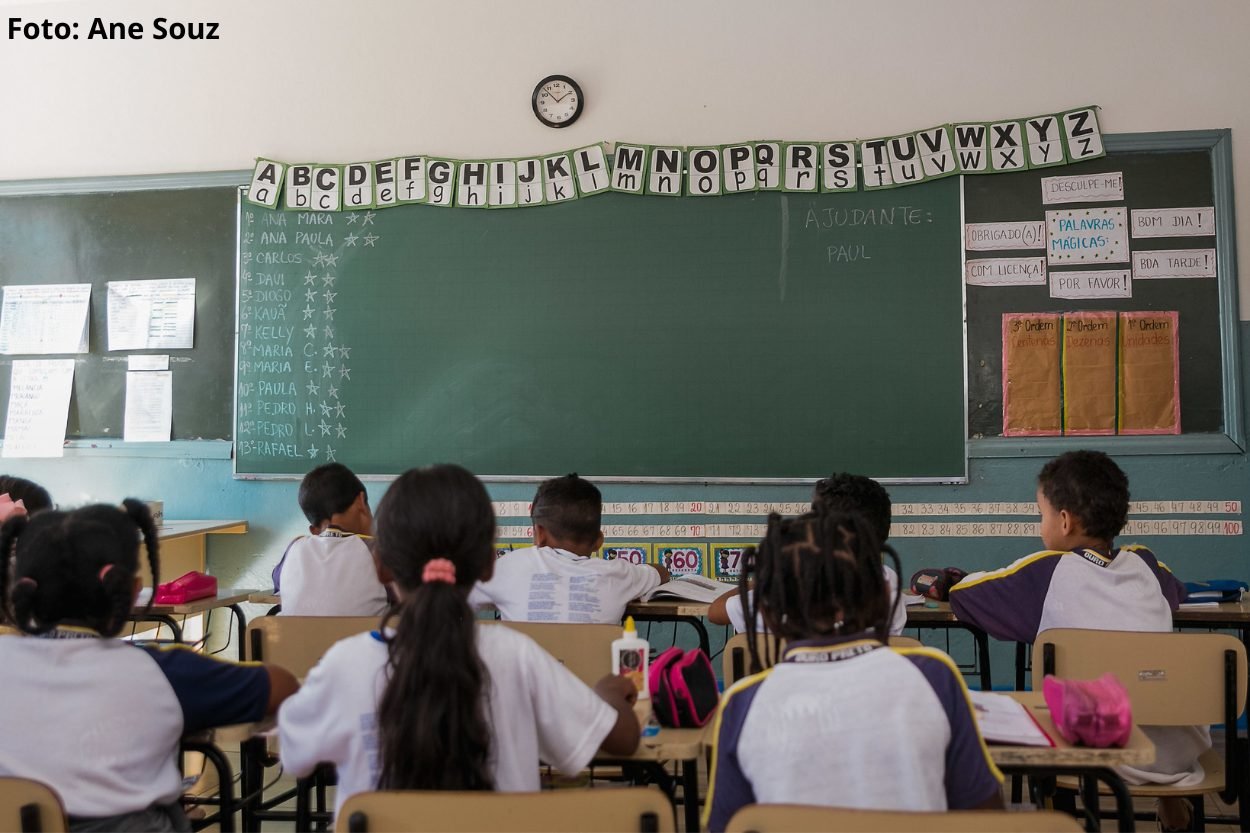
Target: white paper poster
[(38, 320), (151, 315), (1006, 271), (39, 392), (984, 237), (1085, 188), (1087, 235), (1174, 263), (1101, 283), (149, 406), (1173, 222)]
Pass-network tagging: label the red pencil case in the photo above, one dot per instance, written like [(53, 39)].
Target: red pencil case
[(187, 588)]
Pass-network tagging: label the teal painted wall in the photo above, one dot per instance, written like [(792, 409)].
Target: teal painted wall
[(199, 488)]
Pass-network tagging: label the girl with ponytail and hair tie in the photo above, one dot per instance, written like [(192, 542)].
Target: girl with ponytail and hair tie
[(97, 718), (432, 700)]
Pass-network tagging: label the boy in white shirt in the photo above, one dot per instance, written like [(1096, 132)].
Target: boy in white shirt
[(331, 572), (556, 580), (840, 492)]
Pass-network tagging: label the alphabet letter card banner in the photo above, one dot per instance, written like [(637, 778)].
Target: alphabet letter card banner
[(1031, 391), (1089, 372), (1150, 382)]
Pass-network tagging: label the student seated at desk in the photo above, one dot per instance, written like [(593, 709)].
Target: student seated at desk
[(1081, 580), (331, 572), (440, 702), (843, 720), (556, 580), (34, 497), (97, 718), (839, 493)]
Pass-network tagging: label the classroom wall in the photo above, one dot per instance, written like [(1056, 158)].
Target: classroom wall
[(337, 81)]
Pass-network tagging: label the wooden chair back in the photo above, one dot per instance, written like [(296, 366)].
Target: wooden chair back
[(559, 811), (1173, 679), (30, 806), (297, 643), (736, 658), (792, 818), (584, 649)]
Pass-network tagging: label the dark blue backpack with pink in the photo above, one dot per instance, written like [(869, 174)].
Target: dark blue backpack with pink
[(683, 687)]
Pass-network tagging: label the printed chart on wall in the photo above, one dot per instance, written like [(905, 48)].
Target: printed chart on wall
[(754, 336), (1093, 304)]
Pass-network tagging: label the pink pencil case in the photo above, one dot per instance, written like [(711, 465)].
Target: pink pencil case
[(1090, 712), (187, 588)]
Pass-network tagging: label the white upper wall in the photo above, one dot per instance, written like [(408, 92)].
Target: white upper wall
[(333, 80)]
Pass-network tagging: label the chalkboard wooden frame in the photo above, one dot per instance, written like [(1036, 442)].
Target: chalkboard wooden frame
[(1218, 143), (203, 449)]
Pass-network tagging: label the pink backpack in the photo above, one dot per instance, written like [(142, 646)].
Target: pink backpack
[(1090, 712), (683, 688)]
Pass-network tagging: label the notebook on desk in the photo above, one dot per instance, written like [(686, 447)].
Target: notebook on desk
[(692, 588), (1003, 720)]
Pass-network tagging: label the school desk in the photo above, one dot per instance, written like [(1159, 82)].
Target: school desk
[(184, 546), (686, 746), (941, 617), (674, 610), (1065, 759), (165, 614)]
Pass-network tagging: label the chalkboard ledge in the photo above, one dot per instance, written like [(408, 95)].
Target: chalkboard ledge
[(991, 447), (177, 449)]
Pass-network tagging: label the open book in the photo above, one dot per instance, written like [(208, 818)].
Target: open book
[(1004, 720), (691, 587)]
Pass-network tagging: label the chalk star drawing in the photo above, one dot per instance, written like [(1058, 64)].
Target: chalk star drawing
[(333, 392), (328, 312), (329, 297), (312, 451), (370, 239), (340, 410), (340, 431), (326, 369), (313, 389), (310, 279), (308, 313), (328, 351), (350, 240), (345, 352), (310, 331), (328, 279), (367, 220), (329, 331), (325, 409), (310, 295), (345, 372), (352, 218), (330, 453), (325, 428), (332, 260)]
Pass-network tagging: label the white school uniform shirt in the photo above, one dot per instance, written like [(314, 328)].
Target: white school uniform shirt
[(331, 574), (849, 722), (733, 607), (100, 720), (536, 708), (546, 584)]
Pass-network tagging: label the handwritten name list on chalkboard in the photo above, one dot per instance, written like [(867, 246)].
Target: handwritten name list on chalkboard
[(287, 331), (635, 337)]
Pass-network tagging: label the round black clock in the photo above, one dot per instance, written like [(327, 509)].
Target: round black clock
[(558, 101)]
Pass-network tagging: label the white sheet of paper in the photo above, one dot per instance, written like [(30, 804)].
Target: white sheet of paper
[(1087, 235), (155, 362), (45, 319), (1083, 188), (149, 406), (1004, 720), (1173, 222), (984, 237), (1174, 263), (150, 315), (1005, 271), (39, 392), (1095, 283)]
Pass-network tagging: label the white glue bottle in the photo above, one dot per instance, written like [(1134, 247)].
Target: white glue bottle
[(630, 658)]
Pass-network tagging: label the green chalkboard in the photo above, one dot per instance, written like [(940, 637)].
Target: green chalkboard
[(1176, 174), (752, 336), (99, 236)]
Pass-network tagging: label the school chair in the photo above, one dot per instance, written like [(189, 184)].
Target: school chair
[(736, 656), (602, 810), (1172, 679), (795, 818), (297, 643), (584, 649), (31, 807)]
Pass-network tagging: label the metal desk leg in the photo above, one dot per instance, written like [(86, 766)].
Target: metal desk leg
[(251, 782), (693, 621), (161, 619), (690, 793), (240, 627), (225, 782), (983, 656)]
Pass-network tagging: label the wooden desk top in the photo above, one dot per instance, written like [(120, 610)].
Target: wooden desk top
[(172, 530), (667, 607), (265, 597), (1235, 613), (1063, 754), (224, 598), (922, 614)]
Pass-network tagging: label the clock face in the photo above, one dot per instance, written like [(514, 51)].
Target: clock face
[(557, 101)]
